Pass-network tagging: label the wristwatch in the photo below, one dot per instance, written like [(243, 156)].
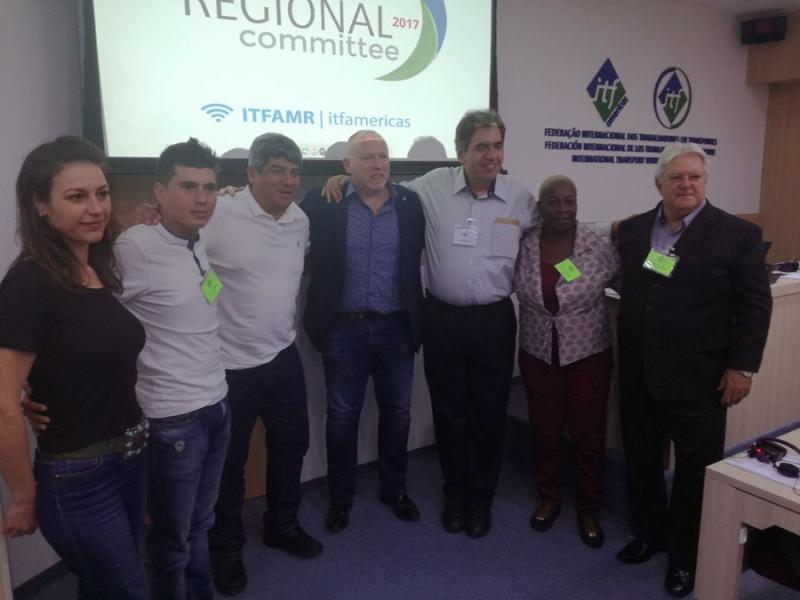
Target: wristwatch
[(748, 374)]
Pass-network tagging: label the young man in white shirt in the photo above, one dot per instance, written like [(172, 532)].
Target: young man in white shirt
[(171, 288)]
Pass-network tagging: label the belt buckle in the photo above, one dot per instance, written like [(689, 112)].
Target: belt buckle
[(138, 434)]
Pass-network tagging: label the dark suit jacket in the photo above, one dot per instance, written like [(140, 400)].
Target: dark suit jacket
[(677, 335), (327, 261)]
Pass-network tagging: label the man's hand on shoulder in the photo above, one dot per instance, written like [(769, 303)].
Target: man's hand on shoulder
[(144, 214), (332, 190), (229, 190)]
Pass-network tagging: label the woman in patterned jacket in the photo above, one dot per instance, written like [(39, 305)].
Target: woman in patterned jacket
[(565, 352)]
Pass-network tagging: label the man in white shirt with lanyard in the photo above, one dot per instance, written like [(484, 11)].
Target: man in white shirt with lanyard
[(475, 217), (170, 287)]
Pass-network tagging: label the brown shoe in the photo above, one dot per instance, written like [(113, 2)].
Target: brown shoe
[(589, 527), (543, 517)]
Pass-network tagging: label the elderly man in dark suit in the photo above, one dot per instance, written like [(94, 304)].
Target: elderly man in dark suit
[(693, 322), (363, 313)]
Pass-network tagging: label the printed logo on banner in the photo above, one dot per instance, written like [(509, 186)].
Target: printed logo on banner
[(607, 93), (431, 38), (672, 97), (217, 111)]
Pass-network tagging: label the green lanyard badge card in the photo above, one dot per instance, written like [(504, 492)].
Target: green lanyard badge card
[(568, 270), (663, 263), (211, 286)]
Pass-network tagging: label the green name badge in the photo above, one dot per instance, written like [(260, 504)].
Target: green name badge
[(568, 270), (211, 287), (658, 262)]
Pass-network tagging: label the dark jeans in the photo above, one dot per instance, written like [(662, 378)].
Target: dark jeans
[(356, 350), (469, 361), (697, 430), (574, 397), (186, 457), (90, 511), (275, 392)]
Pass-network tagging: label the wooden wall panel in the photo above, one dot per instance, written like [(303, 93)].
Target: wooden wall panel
[(777, 61), (780, 178)]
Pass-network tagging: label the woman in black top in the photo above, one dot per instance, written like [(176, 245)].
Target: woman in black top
[(62, 330)]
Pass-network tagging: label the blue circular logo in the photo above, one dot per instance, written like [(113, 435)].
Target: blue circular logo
[(672, 97)]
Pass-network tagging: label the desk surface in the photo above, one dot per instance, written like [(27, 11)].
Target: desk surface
[(779, 494), (783, 287)]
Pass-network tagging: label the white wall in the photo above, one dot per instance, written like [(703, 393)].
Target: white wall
[(549, 50), (40, 79)]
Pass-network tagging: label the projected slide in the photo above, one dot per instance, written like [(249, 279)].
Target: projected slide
[(226, 71)]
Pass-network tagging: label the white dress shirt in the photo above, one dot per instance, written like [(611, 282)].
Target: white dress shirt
[(476, 274)]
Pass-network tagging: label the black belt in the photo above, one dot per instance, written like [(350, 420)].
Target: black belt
[(367, 315), (131, 443)]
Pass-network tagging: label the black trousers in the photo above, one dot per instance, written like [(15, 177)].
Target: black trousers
[(697, 430), (274, 392), (469, 361)]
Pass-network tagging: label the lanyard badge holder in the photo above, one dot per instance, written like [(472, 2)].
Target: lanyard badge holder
[(466, 234), (211, 285), (660, 262)]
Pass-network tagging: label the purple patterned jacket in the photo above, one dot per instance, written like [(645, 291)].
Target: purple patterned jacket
[(582, 319)]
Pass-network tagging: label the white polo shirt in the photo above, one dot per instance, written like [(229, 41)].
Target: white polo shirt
[(180, 367), (260, 262)]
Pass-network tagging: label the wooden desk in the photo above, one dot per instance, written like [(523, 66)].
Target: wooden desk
[(733, 500)]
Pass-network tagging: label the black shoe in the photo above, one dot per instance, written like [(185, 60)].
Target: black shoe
[(479, 522), (638, 551), (294, 541), (679, 583), (591, 533), (338, 516), (403, 507), (454, 519), (539, 523), (229, 574)]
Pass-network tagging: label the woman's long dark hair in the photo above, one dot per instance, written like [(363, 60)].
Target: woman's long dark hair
[(40, 242)]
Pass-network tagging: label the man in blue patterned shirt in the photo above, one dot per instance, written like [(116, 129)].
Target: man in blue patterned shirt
[(363, 314)]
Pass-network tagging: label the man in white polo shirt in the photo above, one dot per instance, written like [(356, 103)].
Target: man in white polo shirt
[(257, 243), (171, 288)]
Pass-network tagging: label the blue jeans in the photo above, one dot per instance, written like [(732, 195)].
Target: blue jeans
[(186, 457), (90, 511), (354, 351), (275, 392)]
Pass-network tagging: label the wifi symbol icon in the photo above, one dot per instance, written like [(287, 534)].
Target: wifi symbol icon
[(217, 111)]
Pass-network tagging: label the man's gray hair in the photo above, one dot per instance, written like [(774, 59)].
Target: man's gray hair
[(360, 135), (474, 120), (273, 145), (549, 184), (676, 149)]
